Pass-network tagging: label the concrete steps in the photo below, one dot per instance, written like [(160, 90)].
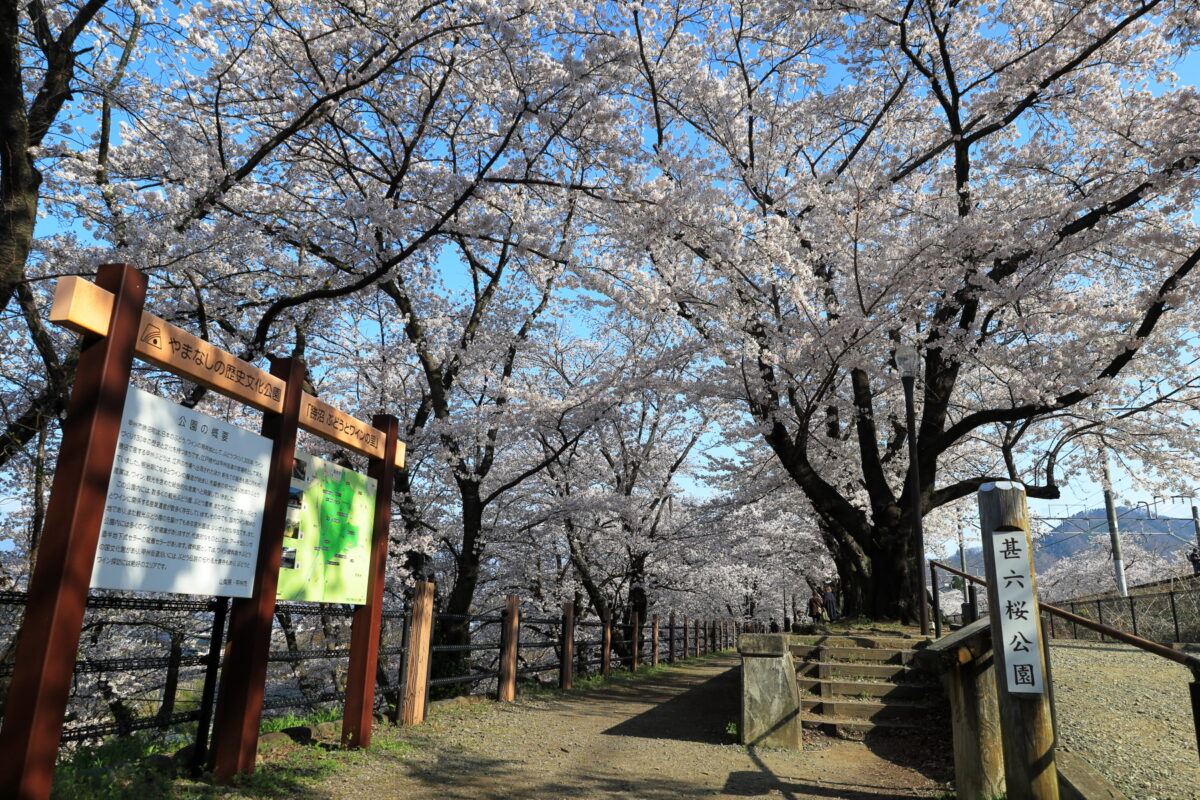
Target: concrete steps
[(859, 684), (879, 655)]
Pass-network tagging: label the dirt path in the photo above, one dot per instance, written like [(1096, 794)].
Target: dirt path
[(659, 739)]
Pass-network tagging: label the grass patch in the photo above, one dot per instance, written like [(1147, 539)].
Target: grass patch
[(294, 720), (117, 769)]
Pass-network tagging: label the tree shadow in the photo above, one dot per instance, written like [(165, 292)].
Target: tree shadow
[(699, 714), (928, 752), (763, 781)]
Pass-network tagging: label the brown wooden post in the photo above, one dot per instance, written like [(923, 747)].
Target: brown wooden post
[(49, 639), (696, 636), (510, 635), (606, 645), (566, 661), (364, 628), (686, 652), (635, 640), (244, 671), (1026, 723), (970, 683), (671, 638), (416, 658), (654, 641)]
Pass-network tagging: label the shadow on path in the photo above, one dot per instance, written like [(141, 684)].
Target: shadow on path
[(699, 714), (764, 781)]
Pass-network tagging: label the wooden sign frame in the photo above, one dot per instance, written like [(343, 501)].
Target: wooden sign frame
[(116, 329), (85, 308)]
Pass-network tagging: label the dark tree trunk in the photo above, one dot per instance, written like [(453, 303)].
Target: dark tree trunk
[(875, 571), (462, 593)]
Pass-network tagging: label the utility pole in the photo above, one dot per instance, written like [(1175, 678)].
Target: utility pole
[(1114, 533), (1196, 523)]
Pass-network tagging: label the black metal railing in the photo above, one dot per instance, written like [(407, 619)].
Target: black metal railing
[(1102, 629), (175, 623)]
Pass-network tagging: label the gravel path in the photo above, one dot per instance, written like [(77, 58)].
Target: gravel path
[(662, 738), (1129, 713)]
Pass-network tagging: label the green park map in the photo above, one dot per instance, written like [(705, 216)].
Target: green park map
[(327, 539)]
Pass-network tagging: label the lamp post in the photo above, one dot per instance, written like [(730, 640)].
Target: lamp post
[(907, 361)]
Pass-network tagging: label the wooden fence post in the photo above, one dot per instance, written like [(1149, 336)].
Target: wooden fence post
[(686, 651), (416, 658), (654, 642), (566, 661), (966, 661), (45, 656), (244, 671), (510, 635), (671, 638), (606, 645), (635, 640), (358, 712), (1026, 724)]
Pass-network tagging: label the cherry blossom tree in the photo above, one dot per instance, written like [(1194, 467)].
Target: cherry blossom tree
[(1008, 187)]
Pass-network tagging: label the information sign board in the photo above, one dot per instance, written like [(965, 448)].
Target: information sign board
[(327, 539), (1018, 612), (185, 503)]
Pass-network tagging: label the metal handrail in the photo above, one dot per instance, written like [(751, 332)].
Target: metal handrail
[(1170, 653), (1154, 648)]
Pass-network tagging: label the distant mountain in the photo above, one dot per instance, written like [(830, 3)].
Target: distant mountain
[(1090, 529)]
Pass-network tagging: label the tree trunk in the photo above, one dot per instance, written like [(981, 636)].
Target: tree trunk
[(19, 179), (462, 594), (875, 570)]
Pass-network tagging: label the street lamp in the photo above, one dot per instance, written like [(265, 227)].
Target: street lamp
[(908, 362)]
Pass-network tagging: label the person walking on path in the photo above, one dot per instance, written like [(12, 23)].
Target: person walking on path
[(830, 603), (816, 607)]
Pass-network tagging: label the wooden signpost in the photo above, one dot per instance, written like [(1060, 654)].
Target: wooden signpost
[(1025, 722), (109, 314)]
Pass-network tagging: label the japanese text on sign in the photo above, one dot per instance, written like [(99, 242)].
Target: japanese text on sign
[(1017, 609), (185, 503)]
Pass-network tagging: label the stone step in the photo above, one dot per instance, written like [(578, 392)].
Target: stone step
[(890, 691), (840, 640), (879, 672), (891, 711), (840, 726), (887, 655)]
